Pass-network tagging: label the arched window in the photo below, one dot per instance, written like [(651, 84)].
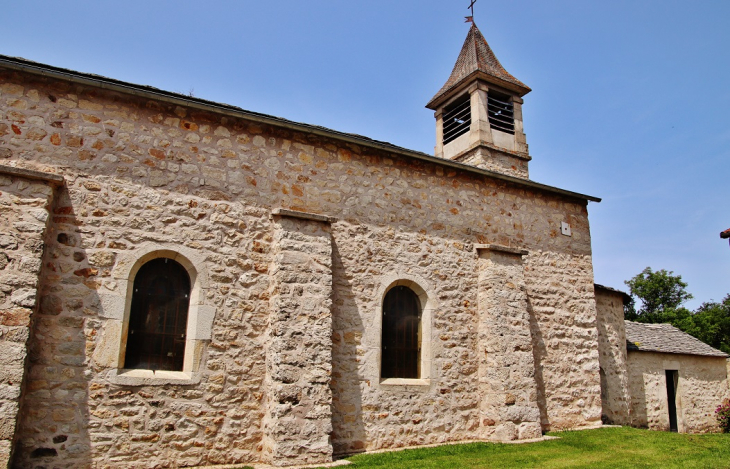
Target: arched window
[(158, 316), (401, 340)]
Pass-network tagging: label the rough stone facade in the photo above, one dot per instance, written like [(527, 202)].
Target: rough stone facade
[(613, 358), (634, 382), (298, 421), (702, 387), (25, 199), (287, 369), (509, 408), (498, 160)]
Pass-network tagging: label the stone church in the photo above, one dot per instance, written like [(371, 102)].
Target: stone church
[(186, 283)]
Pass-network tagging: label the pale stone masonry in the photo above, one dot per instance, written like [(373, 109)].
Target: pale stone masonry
[(25, 199), (636, 360), (298, 418), (145, 177), (613, 356), (509, 408), (292, 236)]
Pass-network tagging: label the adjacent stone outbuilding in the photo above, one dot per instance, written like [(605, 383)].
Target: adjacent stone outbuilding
[(675, 381), (654, 375)]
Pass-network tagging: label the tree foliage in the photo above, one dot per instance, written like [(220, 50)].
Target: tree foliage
[(661, 295)]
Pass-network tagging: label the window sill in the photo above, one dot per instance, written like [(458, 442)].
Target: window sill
[(405, 382), (153, 377)]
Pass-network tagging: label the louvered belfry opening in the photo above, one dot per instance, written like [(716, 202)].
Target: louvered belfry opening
[(457, 118), (501, 112), (158, 317), (401, 346)]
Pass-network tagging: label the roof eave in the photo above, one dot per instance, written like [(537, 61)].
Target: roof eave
[(638, 349), (458, 87), (234, 111)]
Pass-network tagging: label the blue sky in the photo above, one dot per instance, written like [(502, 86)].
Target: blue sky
[(630, 99)]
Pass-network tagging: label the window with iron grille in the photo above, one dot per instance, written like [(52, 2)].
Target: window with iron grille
[(158, 317), (501, 112), (457, 118), (401, 345)]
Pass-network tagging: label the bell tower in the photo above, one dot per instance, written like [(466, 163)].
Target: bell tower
[(479, 112)]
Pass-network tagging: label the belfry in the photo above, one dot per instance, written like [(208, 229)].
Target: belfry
[(479, 112)]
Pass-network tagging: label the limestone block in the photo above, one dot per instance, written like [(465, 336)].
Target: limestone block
[(529, 430), (7, 426), (200, 322), (111, 306), (5, 446), (12, 354), (107, 350), (23, 297)]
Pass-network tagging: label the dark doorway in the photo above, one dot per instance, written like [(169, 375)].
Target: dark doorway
[(672, 381)]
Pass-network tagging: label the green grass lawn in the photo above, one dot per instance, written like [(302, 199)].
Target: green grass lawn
[(605, 447)]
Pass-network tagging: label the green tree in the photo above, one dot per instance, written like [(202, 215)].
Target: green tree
[(661, 294), (712, 324)]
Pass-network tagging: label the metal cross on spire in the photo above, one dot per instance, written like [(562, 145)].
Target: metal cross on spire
[(470, 19)]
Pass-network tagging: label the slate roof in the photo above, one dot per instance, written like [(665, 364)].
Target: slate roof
[(477, 58), (665, 338), (725, 234)]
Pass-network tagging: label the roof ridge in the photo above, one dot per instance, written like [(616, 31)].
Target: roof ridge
[(665, 338)]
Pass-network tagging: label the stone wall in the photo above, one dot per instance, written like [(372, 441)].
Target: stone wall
[(442, 405), (73, 405), (142, 171), (509, 408), (701, 388), (24, 205), (562, 309), (298, 402), (612, 358), (498, 161)]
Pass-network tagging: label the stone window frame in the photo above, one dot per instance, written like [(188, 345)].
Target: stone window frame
[(115, 308), (427, 297)]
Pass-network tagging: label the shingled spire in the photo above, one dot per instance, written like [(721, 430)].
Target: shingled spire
[(479, 111), (477, 60)]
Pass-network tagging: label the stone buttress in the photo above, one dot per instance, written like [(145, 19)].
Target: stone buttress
[(298, 415), (508, 389), (25, 201)]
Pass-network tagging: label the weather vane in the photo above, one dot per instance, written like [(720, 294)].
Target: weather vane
[(470, 19)]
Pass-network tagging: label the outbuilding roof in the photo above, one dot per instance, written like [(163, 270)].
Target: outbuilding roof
[(665, 338), (477, 59), (626, 296)]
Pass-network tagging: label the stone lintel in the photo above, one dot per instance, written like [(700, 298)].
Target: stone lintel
[(53, 179), (283, 212), (501, 249)]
